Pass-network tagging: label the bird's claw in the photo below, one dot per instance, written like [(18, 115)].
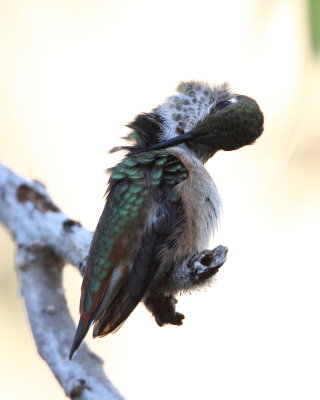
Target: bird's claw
[(163, 310)]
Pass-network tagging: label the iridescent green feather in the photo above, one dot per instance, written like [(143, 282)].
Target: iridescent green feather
[(131, 186)]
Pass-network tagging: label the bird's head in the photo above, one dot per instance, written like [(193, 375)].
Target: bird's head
[(207, 119)]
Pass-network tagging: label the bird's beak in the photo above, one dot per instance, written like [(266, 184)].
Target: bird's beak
[(167, 143)]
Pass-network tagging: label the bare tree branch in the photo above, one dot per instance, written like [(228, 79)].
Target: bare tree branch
[(46, 239), (53, 328), (31, 217)]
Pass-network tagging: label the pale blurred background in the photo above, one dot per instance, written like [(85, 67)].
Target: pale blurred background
[(72, 74)]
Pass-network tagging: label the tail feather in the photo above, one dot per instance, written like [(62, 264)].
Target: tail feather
[(79, 336), (132, 291)]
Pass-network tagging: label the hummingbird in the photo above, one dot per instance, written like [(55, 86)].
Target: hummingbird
[(162, 205)]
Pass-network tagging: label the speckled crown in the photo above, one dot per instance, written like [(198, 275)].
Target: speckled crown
[(192, 104)]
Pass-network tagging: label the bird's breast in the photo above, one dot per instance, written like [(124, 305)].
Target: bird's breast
[(202, 206)]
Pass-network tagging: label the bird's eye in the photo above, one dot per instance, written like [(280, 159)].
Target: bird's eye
[(222, 104)]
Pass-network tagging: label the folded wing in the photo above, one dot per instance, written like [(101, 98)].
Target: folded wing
[(140, 215)]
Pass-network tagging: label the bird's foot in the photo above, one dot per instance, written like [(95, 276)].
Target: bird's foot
[(164, 310)]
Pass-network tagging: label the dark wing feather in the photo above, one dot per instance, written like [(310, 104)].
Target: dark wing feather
[(147, 130), (144, 267), (112, 285)]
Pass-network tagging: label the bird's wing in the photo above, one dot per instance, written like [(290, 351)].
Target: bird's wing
[(141, 210)]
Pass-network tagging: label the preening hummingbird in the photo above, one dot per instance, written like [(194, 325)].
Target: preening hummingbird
[(162, 206)]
